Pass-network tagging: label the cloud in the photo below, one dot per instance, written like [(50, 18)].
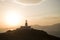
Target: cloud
[(11, 1), (24, 2), (52, 18), (2, 0), (29, 2)]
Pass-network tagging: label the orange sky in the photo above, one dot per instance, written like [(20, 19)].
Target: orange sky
[(45, 12)]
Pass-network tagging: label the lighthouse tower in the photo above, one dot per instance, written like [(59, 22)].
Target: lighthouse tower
[(26, 26)]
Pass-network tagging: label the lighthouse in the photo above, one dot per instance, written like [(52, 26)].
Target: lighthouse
[(26, 26)]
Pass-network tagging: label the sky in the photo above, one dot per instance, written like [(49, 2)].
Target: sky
[(37, 12)]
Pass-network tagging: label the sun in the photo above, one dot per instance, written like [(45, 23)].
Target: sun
[(12, 18)]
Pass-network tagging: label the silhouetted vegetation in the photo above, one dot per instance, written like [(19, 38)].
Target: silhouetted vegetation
[(27, 34)]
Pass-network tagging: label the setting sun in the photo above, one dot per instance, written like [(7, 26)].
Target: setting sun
[(12, 18)]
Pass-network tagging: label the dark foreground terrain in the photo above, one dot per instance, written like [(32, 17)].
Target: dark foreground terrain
[(27, 34)]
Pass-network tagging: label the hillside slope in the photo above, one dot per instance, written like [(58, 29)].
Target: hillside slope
[(27, 34)]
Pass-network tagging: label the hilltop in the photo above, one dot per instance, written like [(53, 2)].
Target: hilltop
[(27, 34)]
